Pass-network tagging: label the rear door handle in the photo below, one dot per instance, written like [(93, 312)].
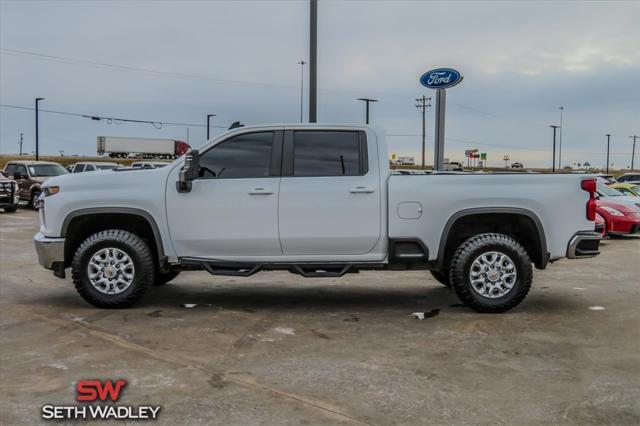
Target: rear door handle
[(361, 190), (260, 191)]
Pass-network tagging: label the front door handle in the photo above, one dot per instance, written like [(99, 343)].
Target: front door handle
[(260, 191), (361, 190)]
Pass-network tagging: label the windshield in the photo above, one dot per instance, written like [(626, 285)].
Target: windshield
[(43, 170), (607, 191), (106, 167)]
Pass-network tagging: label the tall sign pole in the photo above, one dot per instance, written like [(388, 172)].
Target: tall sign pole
[(313, 60), (438, 153), (440, 79)]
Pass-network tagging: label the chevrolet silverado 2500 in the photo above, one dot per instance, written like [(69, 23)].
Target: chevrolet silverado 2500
[(318, 201)]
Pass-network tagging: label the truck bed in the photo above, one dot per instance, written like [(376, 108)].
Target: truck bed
[(423, 204)]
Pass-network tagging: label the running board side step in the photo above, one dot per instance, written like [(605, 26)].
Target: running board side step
[(233, 269), (310, 271)]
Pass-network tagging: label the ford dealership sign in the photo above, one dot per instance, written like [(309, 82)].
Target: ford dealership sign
[(441, 78)]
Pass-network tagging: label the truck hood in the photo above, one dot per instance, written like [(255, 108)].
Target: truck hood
[(113, 181), (42, 179)]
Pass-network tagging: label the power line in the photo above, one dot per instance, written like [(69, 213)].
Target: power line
[(127, 68), (111, 120)]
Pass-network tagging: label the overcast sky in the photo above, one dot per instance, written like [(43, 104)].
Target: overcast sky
[(238, 59)]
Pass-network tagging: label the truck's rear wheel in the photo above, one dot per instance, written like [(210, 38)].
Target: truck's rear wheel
[(112, 269), (491, 273)]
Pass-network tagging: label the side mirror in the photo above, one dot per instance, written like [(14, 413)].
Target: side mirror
[(189, 171)]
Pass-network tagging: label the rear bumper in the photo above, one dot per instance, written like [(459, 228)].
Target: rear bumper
[(50, 250), (584, 244)]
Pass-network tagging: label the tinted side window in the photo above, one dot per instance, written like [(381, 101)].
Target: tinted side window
[(78, 168), (244, 156), (327, 153)]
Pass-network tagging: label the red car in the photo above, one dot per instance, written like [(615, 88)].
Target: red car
[(618, 218)]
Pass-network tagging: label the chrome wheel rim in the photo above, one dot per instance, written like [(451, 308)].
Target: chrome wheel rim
[(111, 270), (493, 274)]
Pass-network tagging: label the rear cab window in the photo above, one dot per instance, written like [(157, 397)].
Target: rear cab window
[(327, 153)]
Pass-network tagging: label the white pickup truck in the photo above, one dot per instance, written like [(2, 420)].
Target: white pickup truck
[(318, 201)]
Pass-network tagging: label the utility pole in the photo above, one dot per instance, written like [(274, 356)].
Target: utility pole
[(209, 124), (423, 103), (301, 63), (22, 137), (506, 160), (553, 169), (608, 141), (367, 101), (633, 150), (37, 141), (560, 141), (313, 60)]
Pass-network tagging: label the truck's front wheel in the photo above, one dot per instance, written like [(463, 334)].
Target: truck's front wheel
[(491, 273), (112, 269)]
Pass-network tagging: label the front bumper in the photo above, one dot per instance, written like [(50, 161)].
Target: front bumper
[(584, 244), (50, 251), (8, 200)]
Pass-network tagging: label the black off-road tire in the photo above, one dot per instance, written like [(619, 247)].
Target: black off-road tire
[(11, 209), (441, 277), (134, 247), (164, 278), (464, 258)]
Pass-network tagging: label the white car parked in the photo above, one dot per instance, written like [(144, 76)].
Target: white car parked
[(318, 201)]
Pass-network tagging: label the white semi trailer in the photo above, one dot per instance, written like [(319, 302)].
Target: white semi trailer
[(119, 147)]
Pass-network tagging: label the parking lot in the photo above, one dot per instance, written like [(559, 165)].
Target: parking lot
[(279, 349)]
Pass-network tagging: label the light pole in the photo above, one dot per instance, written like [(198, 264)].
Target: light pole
[(209, 124), (506, 160), (608, 141), (553, 168), (633, 150), (37, 141), (560, 140), (423, 103), (301, 63), (367, 101)]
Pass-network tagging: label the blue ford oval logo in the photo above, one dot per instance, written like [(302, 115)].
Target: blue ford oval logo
[(441, 78)]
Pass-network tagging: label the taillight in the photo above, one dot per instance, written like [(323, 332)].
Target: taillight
[(590, 187)]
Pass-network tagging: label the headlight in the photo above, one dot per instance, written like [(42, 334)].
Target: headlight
[(50, 190), (612, 211)]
